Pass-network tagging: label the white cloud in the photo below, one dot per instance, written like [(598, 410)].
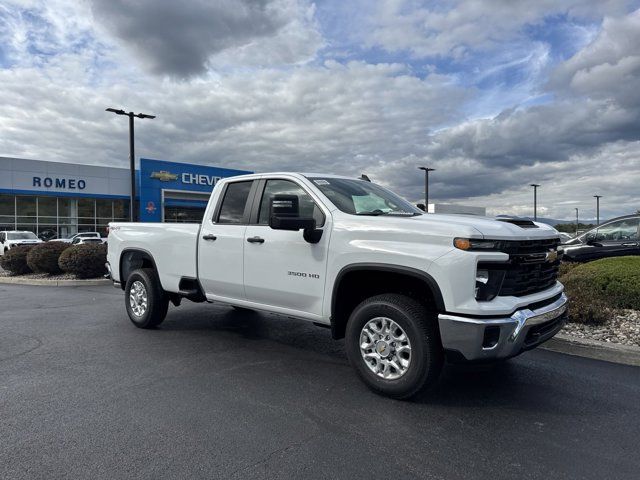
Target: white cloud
[(456, 29)]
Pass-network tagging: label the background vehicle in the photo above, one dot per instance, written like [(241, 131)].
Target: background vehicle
[(565, 237), (12, 238), (406, 289), (46, 235), (617, 237), (83, 240), (78, 235)]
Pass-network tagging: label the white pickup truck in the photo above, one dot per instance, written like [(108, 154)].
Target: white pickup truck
[(407, 290)]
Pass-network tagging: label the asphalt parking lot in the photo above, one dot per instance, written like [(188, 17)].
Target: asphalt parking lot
[(216, 393)]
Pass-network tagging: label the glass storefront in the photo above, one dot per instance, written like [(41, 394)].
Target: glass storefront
[(174, 214), (51, 217)]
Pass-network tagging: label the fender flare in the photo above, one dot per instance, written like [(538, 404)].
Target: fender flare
[(383, 267), (146, 253)]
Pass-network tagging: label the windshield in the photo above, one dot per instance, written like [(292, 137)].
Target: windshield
[(359, 197), (21, 236)]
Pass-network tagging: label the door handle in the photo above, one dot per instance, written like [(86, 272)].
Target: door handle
[(629, 244), (255, 240), (209, 237)]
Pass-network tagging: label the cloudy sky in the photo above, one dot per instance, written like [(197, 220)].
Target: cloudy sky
[(494, 94)]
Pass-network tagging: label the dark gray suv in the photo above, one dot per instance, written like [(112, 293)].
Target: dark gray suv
[(614, 238)]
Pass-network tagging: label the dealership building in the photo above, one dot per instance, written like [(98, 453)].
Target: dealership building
[(61, 199)]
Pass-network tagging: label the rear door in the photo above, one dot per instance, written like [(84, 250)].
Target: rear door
[(221, 243), (281, 269)]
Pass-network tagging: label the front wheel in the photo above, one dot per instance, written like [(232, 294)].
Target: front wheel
[(392, 342), (146, 302)]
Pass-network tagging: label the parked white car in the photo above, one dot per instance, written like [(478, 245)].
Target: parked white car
[(12, 238), (77, 235), (406, 289)]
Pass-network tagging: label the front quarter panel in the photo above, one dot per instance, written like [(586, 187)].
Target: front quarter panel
[(400, 242)]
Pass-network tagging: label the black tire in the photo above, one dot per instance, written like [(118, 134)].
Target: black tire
[(157, 299), (421, 328)]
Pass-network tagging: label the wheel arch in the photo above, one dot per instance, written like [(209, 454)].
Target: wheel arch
[(358, 281), (132, 259)]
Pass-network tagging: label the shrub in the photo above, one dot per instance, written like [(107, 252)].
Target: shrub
[(15, 260), (85, 261), (596, 289), (566, 267), (43, 258)]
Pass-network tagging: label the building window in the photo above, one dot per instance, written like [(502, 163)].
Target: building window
[(7, 204), (7, 212), (64, 208), (121, 210), (61, 217), (47, 207)]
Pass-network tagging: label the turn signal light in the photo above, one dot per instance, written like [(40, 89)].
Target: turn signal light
[(462, 243)]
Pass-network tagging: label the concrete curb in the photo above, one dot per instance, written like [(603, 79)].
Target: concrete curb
[(582, 347), (53, 283)]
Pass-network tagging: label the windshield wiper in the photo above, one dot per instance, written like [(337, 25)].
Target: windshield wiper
[(377, 213)]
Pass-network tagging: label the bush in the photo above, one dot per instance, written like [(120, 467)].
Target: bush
[(85, 261), (43, 258), (596, 289), (15, 260)]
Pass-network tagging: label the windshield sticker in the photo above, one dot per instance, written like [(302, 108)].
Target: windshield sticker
[(321, 181)]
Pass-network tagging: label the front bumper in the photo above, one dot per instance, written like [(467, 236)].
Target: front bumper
[(477, 339)]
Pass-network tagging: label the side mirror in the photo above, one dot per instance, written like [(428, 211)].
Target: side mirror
[(285, 215), (594, 243)]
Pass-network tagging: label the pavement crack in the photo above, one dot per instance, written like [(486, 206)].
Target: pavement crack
[(24, 352)]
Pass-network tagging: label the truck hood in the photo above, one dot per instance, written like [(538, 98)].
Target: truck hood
[(466, 226), (492, 228)]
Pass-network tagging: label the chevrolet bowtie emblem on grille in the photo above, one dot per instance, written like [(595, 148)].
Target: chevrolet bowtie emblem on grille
[(552, 256)]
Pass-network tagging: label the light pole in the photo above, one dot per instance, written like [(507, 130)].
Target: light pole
[(426, 186), (577, 222), (597, 197), (132, 158), (535, 200)]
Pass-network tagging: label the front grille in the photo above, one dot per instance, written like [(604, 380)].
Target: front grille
[(528, 271)]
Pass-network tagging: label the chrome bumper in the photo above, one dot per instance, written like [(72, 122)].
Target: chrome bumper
[(494, 338)]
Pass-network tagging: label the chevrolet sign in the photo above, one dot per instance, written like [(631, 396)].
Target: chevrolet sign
[(164, 176)]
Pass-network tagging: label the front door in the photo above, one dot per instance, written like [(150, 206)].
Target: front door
[(281, 269), (221, 243)]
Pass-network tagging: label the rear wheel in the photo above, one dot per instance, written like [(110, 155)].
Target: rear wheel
[(392, 342), (146, 302)]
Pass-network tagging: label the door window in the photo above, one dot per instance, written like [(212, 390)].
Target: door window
[(308, 207), (234, 203), (617, 231)]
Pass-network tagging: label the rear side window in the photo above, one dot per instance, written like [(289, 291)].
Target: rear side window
[(234, 202)]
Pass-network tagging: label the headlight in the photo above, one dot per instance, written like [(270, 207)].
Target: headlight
[(488, 283), (478, 244)]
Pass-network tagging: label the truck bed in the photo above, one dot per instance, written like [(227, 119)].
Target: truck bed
[(171, 245)]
